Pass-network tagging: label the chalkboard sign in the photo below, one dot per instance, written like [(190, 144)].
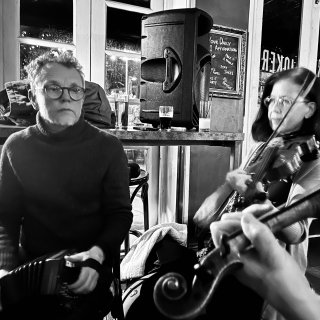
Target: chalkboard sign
[(228, 53)]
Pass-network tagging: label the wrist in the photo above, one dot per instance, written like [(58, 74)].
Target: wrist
[(296, 300), (306, 307), (97, 254)]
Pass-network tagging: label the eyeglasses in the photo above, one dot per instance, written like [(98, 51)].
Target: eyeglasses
[(283, 102), (55, 92)]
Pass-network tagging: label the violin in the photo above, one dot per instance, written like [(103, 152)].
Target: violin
[(282, 158), (277, 161), (177, 299)]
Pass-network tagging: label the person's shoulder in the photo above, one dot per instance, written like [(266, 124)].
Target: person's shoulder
[(103, 135), (19, 137)]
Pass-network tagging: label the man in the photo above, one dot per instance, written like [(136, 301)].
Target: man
[(64, 184)]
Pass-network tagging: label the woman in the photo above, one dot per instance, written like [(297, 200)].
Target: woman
[(300, 89)]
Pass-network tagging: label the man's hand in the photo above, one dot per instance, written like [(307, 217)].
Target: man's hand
[(269, 269), (231, 222), (88, 277)]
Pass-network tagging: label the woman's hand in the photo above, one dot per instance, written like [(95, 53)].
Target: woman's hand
[(88, 277), (239, 180)]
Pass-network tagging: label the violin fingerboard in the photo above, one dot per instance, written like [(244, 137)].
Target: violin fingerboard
[(235, 204)]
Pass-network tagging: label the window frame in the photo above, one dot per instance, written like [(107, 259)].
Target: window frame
[(12, 38), (99, 33)]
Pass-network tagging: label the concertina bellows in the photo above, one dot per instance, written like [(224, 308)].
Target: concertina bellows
[(47, 275)]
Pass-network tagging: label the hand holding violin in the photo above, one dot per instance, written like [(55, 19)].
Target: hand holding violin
[(243, 182), (239, 180), (271, 271), (236, 181)]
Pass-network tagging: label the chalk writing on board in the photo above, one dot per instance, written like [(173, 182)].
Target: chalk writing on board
[(224, 53), (226, 48)]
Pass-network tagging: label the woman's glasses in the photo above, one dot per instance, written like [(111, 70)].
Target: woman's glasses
[(283, 102), (55, 92)]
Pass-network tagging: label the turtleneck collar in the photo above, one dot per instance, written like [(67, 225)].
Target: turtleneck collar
[(67, 134)]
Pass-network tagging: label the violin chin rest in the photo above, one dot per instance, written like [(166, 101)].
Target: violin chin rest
[(262, 196)]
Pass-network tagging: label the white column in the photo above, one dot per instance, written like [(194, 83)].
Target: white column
[(253, 70), (98, 41), (309, 33), (10, 45), (81, 33)]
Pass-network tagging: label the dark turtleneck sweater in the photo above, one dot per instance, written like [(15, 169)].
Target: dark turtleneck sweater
[(67, 190)]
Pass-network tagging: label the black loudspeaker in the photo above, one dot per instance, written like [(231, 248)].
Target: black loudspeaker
[(175, 64)]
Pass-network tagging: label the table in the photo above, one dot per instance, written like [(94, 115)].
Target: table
[(163, 139), (160, 138)]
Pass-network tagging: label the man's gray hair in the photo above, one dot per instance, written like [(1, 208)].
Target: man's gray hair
[(64, 58)]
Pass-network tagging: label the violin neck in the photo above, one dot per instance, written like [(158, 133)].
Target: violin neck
[(308, 207), (260, 167)]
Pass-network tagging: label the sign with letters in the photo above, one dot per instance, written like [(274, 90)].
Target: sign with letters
[(228, 58), (274, 62)]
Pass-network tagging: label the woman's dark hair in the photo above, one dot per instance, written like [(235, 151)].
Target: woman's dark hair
[(261, 129)]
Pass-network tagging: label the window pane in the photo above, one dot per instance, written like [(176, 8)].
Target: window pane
[(123, 36), (123, 76), (27, 54), (116, 75), (280, 37), (47, 20), (140, 3), (133, 89)]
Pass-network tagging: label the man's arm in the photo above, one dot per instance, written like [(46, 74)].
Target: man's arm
[(116, 203), (10, 212)]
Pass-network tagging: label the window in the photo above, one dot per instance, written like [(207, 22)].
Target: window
[(47, 20), (280, 37), (123, 74), (141, 3), (123, 50), (44, 25)]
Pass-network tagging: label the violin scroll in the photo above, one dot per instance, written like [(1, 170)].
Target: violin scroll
[(173, 286)]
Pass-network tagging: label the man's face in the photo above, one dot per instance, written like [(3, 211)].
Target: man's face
[(62, 111)]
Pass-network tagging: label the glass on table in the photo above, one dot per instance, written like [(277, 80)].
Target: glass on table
[(166, 116), (204, 115)]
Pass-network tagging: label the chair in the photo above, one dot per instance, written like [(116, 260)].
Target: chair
[(116, 311), (141, 183)]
